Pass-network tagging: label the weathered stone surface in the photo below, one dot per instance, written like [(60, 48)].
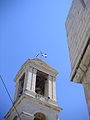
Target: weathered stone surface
[(78, 36), (28, 102)]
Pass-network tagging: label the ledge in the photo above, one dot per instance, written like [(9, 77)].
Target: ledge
[(82, 66)]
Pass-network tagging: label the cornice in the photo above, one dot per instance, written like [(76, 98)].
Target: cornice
[(55, 107), (37, 64), (32, 99), (78, 73)]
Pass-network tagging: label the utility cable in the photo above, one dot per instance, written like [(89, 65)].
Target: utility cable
[(9, 96)]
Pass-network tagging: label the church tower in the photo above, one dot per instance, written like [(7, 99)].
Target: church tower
[(78, 35), (35, 93)]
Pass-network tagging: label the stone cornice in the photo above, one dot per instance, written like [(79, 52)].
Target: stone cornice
[(28, 114), (55, 107), (78, 73), (26, 96), (37, 64)]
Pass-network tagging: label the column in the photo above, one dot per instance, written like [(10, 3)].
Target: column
[(46, 88), (33, 82), (16, 90), (50, 87), (28, 78), (54, 88)]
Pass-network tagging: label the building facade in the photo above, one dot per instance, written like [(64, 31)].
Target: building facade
[(78, 36), (35, 93)]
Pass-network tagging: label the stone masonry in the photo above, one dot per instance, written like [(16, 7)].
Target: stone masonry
[(35, 92), (78, 36)]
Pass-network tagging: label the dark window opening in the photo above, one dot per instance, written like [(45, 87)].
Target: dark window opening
[(40, 83), (39, 116), (21, 84), (36, 119)]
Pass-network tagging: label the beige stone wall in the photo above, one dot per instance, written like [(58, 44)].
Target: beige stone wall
[(27, 107), (86, 85), (78, 36), (78, 30)]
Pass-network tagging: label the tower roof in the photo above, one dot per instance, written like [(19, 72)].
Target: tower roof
[(37, 64)]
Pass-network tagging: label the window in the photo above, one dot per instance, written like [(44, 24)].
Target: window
[(39, 116), (41, 79), (36, 119)]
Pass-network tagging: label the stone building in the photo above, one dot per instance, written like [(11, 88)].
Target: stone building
[(78, 35), (35, 93)]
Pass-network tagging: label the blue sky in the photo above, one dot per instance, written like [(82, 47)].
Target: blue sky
[(30, 26)]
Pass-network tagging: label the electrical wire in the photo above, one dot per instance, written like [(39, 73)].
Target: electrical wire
[(9, 96)]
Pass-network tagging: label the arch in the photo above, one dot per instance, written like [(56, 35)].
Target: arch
[(39, 116)]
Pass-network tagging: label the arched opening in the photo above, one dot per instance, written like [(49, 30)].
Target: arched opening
[(41, 83), (39, 116)]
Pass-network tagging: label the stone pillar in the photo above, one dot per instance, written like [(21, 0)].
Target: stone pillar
[(50, 87), (54, 88), (28, 79), (16, 90), (33, 82), (46, 88)]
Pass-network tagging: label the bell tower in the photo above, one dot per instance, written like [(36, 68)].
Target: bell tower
[(35, 92)]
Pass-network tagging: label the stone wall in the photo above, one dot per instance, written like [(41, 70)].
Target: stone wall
[(78, 36), (86, 85), (28, 106), (78, 30)]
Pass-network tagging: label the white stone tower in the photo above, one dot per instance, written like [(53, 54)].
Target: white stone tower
[(78, 35), (35, 92)]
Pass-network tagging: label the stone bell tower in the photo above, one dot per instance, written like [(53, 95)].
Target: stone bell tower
[(35, 92)]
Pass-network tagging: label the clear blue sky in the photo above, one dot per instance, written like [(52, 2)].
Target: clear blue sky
[(29, 26)]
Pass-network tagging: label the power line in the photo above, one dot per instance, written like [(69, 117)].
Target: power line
[(9, 96)]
